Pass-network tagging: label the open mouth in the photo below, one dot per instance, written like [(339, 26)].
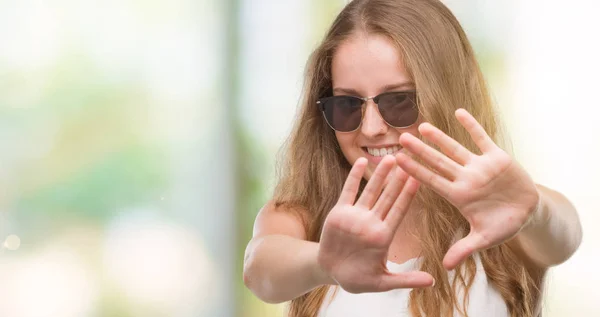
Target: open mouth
[(381, 152)]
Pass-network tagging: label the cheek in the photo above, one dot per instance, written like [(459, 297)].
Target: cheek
[(347, 144), (413, 129)]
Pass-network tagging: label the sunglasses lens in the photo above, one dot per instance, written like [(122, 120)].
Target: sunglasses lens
[(343, 113), (399, 109)]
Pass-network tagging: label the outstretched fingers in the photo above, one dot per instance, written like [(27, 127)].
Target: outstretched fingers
[(448, 145), (391, 192), (371, 192), (477, 132), (430, 156), (438, 183), (350, 189), (397, 212)]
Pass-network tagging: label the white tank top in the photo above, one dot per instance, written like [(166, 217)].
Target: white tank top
[(483, 300)]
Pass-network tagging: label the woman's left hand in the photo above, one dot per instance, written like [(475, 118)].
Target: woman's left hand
[(492, 191)]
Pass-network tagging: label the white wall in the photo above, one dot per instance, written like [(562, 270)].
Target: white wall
[(554, 75)]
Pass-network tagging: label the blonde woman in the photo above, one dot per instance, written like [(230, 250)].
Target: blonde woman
[(395, 196)]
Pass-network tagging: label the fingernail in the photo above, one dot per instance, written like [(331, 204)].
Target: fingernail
[(432, 285)]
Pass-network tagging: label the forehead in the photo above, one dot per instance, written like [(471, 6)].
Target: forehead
[(367, 63)]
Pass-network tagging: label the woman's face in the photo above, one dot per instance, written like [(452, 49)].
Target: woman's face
[(366, 66)]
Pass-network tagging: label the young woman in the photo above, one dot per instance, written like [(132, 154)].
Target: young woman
[(395, 197)]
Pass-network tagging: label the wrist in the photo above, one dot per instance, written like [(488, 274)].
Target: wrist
[(538, 214), (319, 275)]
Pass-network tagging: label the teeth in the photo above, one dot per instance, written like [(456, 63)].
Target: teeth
[(384, 151)]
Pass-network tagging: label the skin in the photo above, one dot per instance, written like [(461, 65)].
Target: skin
[(367, 66), (361, 233), (492, 191)]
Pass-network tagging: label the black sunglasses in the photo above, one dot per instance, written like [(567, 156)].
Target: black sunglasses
[(344, 113)]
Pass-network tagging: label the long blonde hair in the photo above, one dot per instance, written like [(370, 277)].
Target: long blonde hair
[(441, 62)]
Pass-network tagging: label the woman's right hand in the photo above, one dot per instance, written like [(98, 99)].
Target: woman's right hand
[(357, 234)]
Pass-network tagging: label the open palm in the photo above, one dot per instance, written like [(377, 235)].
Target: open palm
[(492, 191), (357, 233)]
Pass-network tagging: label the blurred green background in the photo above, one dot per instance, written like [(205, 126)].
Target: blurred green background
[(138, 141)]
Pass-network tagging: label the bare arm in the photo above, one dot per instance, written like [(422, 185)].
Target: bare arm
[(554, 232), (279, 263)]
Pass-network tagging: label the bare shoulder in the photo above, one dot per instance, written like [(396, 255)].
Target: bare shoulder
[(280, 219)]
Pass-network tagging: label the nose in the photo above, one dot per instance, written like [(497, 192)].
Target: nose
[(373, 124)]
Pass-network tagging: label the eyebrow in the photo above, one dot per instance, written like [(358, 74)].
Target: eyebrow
[(385, 88)]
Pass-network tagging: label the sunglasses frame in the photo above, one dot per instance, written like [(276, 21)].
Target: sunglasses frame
[(321, 103)]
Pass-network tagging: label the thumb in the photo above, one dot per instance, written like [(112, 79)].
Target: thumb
[(415, 279), (461, 250)]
